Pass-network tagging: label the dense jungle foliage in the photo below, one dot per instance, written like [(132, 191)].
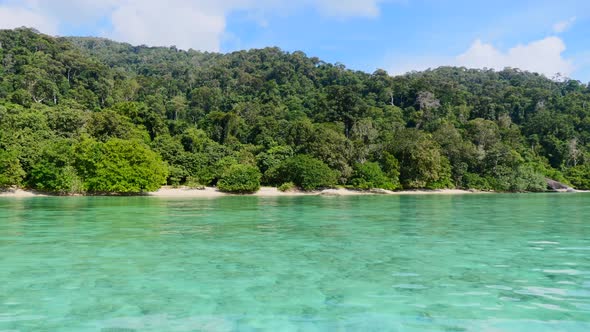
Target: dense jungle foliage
[(93, 115)]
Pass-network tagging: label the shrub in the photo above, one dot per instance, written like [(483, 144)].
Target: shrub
[(273, 157), (54, 171), (193, 183), (287, 186), (119, 166), (527, 178), (50, 177), (390, 167), (240, 179), (198, 167), (579, 176), (523, 178), (475, 181), (445, 180), (421, 163), (369, 175), (305, 172), (176, 175), (11, 172), (549, 172)]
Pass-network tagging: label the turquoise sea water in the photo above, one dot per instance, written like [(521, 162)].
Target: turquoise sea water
[(366, 263)]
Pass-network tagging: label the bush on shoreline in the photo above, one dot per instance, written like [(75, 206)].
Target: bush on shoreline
[(242, 179), (370, 176), (304, 171), (287, 186)]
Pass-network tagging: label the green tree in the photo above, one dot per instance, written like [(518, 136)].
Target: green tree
[(369, 175), (240, 179), (304, 171), (579, 176), (462, 154), (119, 166), (11, 173), (273, 157), (390, 166), (108, 124), (528, 179), (54, 172), (203, 112), (421, 163), (333, 148)]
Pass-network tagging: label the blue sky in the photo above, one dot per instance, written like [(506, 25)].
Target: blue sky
[(396, 35)]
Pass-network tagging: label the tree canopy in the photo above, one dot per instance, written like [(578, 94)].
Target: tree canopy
[(93, 115)]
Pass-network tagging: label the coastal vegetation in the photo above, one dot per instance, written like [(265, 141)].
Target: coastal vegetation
[(240, 179), (89, 115)]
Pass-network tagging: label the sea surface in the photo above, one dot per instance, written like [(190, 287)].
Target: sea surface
[(496, 262)]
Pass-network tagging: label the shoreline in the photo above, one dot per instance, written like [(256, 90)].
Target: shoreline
[(212, 192), (274, 192)]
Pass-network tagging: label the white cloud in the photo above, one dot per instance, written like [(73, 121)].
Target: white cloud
[(331, 8), (562, 26), (399, 65), (198, 24), (348, 8), (174, 22), (542, 56), (15, 17)]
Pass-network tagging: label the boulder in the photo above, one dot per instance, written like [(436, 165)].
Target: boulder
[(558, 186)]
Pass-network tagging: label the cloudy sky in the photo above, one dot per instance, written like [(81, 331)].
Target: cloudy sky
[(397, 35)]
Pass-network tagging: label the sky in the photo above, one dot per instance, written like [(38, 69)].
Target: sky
[(548, 37)]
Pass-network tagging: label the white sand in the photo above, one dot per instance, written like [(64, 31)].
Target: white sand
[(274, 192), (211, 192), (167, 191), (19, 193)]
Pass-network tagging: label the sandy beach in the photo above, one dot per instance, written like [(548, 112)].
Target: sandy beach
[(20, 193), (211, 192), (274, 192)]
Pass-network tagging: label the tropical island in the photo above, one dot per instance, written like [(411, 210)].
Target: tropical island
[(94, 116)]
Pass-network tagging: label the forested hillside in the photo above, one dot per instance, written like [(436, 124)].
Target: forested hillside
[(92, 115)]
